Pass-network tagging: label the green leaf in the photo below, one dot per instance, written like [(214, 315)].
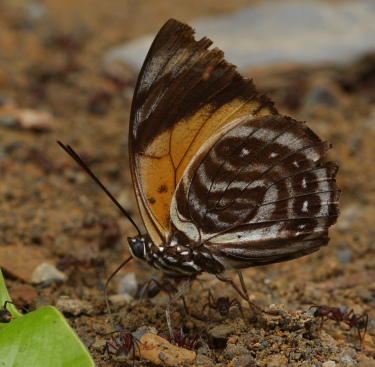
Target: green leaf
[(40, 338), (4, 296)]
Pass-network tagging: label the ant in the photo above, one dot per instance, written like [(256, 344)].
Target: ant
[(72, 261), (223, 304), (349, 318), (182, 340), (123, 345), (5, 314), (151, 290)]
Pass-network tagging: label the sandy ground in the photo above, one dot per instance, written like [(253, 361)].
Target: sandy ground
[(51, 211)]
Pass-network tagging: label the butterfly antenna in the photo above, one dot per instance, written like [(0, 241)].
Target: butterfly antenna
[(77, 158), (106, 288)]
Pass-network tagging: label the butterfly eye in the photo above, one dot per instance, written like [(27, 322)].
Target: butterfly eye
[(137, 247)]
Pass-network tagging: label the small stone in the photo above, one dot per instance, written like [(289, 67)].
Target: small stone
[(244, 361), (35, 120), (46, 274), (257, 346), (321, 95), (99, 345), (236, 350), (139, 333), (87, 341), (120, 299), (365, 295), (73, 306), (345, 256), (203, 360), (347, 359), (160, 352), (36, 11), (9, 121), (329, 364), (128, 285), (222, 331), (277, 360)]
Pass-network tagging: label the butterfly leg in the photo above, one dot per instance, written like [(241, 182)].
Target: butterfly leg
[(244, 293), (243, 285), (244, 288), (174, 299)]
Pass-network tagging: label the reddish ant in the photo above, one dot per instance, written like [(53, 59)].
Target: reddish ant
[(123, 345), (349, 318), (222, 304), (151, 290), (182, 340)]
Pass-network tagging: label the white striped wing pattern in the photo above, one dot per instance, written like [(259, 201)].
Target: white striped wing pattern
[(256, 193)]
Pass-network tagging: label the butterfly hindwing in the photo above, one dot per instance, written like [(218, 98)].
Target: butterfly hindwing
[(185, 93), (256, 193)]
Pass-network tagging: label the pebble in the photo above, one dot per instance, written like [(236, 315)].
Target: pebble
[(244, 361), (9, 121), (160, 352), (222, 331), (87, 341), (202, 360), (345, 256), (25, 118), (120, 299), (74, 307), (320, 95), (348, 360), (46, 274), (36, 11), (99, 345), (236, 350), (277, 360), (128, 285), (329, 364), (365, 295), (35, 120)]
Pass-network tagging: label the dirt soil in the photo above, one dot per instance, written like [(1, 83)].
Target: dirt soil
[(52, 86)]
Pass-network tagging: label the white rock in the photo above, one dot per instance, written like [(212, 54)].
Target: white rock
[(274, 32), (128, 285), (46, 273)]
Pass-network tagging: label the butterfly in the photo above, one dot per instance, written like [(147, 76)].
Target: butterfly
[(222, 180)]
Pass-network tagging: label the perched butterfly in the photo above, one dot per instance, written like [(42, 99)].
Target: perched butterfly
[(222, 180)]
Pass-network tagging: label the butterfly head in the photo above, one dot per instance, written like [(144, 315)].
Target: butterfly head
[(137, 246)]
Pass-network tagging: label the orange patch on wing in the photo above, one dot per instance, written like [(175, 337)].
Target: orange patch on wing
[(156, 178), (162, 165)]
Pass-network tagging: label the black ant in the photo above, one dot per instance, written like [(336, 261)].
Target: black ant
[(5, 315), (223, 304), (349, 318), (123, 345)]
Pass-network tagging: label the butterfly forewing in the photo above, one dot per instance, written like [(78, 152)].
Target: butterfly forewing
[(185, 94), (255, 193)]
